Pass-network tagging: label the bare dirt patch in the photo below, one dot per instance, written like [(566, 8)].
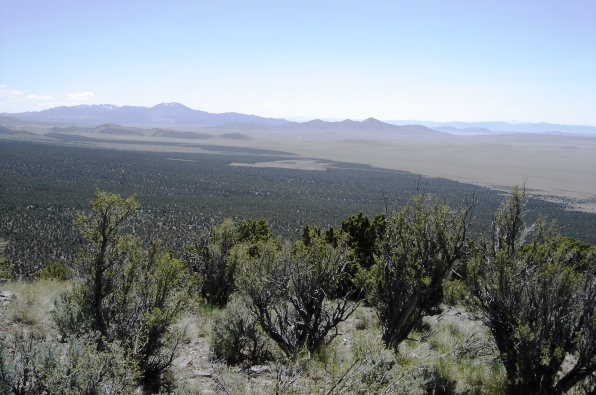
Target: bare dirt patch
[(300, 164), (182, 160)]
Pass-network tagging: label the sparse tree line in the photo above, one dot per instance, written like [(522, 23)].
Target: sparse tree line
[(534, 291)]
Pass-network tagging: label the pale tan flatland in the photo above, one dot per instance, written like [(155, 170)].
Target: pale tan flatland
[(301, 164), (555, 167), (547, 170)]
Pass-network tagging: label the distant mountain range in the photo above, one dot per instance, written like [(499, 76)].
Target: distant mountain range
[(476, 128), (164, 114), (176, 115), (348, 128), (5, 130), (119, 120)]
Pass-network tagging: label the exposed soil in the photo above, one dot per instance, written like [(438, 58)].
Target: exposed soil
[(301, 164)]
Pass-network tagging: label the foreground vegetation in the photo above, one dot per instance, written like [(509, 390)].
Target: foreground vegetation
[(290, 305)]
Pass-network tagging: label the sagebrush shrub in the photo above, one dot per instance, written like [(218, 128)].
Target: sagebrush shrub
[(288, 292), (237, 337), (68, 315), (30, 365)]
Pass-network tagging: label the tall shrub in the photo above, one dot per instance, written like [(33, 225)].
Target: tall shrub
[(209, 256), (126, 293), (421, 244), (288, 291), (537, 295)]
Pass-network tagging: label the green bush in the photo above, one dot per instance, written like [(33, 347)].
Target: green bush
[(536, 294), (237, 337), (288, 290), (455, 292), (422, 243), (55, 271), (129, 295), (31, 365), (209, 257), (68, 314), (6, 269)]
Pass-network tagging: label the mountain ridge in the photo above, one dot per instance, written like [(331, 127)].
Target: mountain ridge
[(176, 115), (500, 127), (163, 114), (115, 119)]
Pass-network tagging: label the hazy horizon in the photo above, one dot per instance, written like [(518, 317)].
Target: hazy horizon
[(434, 61), (455, 123)]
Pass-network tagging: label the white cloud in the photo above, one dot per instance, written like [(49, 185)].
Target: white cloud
[(39, 97), (80, 96), (12, 100)]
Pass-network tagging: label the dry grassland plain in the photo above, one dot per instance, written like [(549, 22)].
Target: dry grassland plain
[(556, 168)]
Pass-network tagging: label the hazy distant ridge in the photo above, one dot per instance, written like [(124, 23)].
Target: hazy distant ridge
[(501, 127), (347, 128), (164, 114), (177, 115), (174, 115)]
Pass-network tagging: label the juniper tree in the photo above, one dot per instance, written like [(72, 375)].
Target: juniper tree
[(288, 290), (126, 293), (209, 256), (421, 244), (537, 295)]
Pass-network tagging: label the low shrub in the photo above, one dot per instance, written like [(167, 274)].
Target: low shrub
[(6, 270), (68, 315), (31, 365), (237, 337), (455, 293), (54, 271)]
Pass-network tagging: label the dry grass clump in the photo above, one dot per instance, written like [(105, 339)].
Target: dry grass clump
[(32, 302), (460, 357)]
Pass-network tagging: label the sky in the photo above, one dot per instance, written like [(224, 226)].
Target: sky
[(520, 61)]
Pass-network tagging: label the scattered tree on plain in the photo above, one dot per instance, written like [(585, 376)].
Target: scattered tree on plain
[(6, 268)]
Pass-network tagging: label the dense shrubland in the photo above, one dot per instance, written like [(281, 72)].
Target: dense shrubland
[(290, 305), (44, 187)]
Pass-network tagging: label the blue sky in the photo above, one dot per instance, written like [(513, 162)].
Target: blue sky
[(526, 61)]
